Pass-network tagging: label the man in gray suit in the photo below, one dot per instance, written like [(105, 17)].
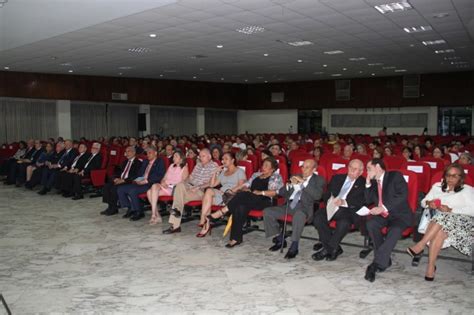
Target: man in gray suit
[(300, 197)]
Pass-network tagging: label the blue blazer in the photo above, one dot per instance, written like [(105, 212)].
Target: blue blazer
[(157, 171)]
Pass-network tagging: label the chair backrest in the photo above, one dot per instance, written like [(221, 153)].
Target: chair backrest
[(469, 170), (283, 171), (247, 167), (191, 163), (436, 165), (394, 162), (423, 172), (412, 182), (321, 171), (297, 161), (166, 161), (254, 160), (333, 165), (438, 177), (115, 155)]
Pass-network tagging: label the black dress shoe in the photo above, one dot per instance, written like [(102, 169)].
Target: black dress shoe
[(77, 197), (229, 245), (170, 230), (318, 246), (380, 269), (322, 254), (277, 246), (111, 212), (370, 272), (127, 214), (334, 254), (43, 191), (67, 195), (137, 216), (291, 254), (104, 211)]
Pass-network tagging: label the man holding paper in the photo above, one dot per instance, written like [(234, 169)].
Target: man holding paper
[(388, 191), (344, 197), (300, 197)]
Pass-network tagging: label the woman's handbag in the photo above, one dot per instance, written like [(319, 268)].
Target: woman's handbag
[(425, 220), (227, 196)]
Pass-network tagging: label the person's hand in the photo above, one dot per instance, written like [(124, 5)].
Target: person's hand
[(81, 173), (218, 169), (370, 176), (337, 202), (257, 192), (295, 180), (377, 210), (432, 204), (444, 208)]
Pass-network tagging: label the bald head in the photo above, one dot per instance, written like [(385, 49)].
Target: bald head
[(355, 169), (308, 168)]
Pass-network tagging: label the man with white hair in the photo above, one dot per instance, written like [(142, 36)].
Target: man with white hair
[(347, 192), (191, 189)]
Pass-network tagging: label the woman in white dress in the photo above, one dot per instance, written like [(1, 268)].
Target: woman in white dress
[(452, 223)]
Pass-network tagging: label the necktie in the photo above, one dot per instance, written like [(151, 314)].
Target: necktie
[(75, 161), (127, 168), (297, 197), (148, 168), (88, 161), (345, 189), (379, 189), (61, 160)]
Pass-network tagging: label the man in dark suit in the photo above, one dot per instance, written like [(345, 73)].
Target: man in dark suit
[(94, 162), (300, 197), (49, 175), (152, 171), (388, 191), (64, 178), (347, 192), (123, 175)]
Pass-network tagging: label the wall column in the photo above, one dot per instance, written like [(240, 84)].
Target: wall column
[(63, 111), (145, 109), (200, 121)]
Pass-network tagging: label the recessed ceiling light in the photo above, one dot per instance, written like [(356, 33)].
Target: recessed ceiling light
[(412, 45), (265, 55), (300, 43), (440, 15), (66, 64), (458, 62), (299, 60), (246, 80), (336, 75), (434, 42), (152, 35), (318, 72), (344, 69), (417, 29), (194, 77), (222, 79), (125, 68), (357, 58), (249, 30), (266, 81), (200, 69), (400, 70), (452, 58), (139, 50), (393, 7), (70, 71), (388, 68), (325, 66), (220, 46), (333, 52), (375, 64), (372, 74), (445, 51), (361, 71), (6, 68), (161, 75), (120, 73)]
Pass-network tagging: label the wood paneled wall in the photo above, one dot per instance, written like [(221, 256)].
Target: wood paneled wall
[(443, 89)]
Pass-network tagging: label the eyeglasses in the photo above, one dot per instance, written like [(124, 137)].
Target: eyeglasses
[(453, 175)]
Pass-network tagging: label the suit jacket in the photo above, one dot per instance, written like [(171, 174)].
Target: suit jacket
[(355, 198), (29, 153), (36, 155), (56, 156), (94, 164), (132, 173), (394, 196), (311, 193), (68, 158), (82, 161), (157, 171)]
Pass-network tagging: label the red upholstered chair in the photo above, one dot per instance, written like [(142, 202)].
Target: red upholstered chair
[(469, 170), (423, 172), (191, 163), (297, 161), (436, 165), (321, 171), (166, 161), (394, 162), (247, 167), (333, 165), (438, 177), (254, 160)]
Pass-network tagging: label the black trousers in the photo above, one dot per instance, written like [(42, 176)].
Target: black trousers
[(383, 247), (21, 172), (110, 196), (63, 181), (332, 238), (36, 177), (240, 207), (11, 168)]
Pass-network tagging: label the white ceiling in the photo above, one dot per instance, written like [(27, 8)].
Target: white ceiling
[(93, 37)]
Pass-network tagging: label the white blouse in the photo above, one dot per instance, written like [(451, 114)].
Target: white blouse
[(461, 202)]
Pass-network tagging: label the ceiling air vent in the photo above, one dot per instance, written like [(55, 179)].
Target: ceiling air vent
[(411, 86), (343, 90), (119, 96), (278, 97)]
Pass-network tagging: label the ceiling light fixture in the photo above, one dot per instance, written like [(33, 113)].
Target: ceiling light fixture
[(336, 75), (440, 15), (66, 64), (373, 74), (299, 61), (388, 68), (375, 64), (152, 35), (70, 71), (393, 7), (222, 79), (458, 62), (220, 46), (452, 58), (125, 68), (139, 50), (6, 68), (357, 58), (344, 69), (265, 55), (334, 52), (300, 43), (400, 70), (120, 73), (444, 51), (318, 72), (434, 42), (249, 30), (417, 29), (194, 77), (325, 66)]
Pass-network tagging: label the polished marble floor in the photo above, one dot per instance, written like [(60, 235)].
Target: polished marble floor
[(60, 256)]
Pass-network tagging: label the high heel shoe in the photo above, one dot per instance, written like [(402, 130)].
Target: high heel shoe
[(412, 253), (209, 230), (214, 219), (430, 278)]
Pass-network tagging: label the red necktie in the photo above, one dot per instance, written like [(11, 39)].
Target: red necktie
[(127, 168), (379, 186)]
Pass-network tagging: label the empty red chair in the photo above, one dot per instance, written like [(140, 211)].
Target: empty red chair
[(469, 170), (247, 167), (333, 165), (436, 165), (423, 172), (394, 162)]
